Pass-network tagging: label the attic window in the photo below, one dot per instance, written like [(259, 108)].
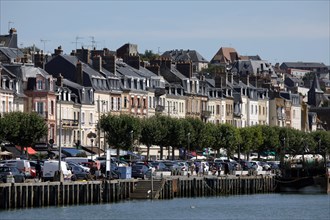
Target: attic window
[(39, 84)]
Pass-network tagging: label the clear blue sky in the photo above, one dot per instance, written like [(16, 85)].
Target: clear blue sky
[(276, 30)]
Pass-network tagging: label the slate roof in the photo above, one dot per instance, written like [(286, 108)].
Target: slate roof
[(86, 68), (252, 66), (31, 71), (11, 53), (185, 55), (303, 65)]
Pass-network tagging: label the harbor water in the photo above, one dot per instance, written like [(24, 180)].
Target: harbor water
[(257, 206)]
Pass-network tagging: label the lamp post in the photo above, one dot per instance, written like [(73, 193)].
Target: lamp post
[(188, 146), (91, 136), (59, 94), (283, 151), (131, 148)]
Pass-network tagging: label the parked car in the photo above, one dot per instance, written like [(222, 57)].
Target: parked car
[(158, 165), (245, 165), (5, 171), (172, 166), (183, 166), (140, 171), (274, 165), (265, 166), (21, 164), (52, 166), (256, 165), (78, 171)]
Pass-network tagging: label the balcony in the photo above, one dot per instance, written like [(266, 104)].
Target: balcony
[(238, 114), (206, 114), (70, 123), (160, 108)]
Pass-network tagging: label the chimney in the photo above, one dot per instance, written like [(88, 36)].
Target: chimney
[(13, 38), (154, 68), (97, 63), (110, 63), (58, 51), (185, 68), (133, 61), (84, 55), (39, 59), (59, 81), (79, 73), (168, 63)]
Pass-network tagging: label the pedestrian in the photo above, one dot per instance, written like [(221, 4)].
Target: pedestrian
[(38, 169), (197, 169), (203, 169), (192, 168)]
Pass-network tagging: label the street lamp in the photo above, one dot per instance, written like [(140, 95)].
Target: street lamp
[(59, 83), (91, 136), (131, 148), (188, 146), (283, 151)]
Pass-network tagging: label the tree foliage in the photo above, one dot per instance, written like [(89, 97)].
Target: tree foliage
[(166, 131), (22, 129)]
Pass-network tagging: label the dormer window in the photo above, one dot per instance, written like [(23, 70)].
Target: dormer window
[(11, 84), (91, 95), (3, 83), (39, 84), (83, 93)]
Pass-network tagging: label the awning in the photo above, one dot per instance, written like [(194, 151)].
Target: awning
[(70, 151), (30, 150), (5, 153)]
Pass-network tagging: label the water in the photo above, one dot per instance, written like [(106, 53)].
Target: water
[(259, 206)]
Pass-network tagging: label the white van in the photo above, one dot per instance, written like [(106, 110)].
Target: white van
[(22, 165), (51, 166)]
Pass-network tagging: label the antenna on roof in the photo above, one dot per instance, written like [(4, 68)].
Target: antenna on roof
[(76, 42), (44, 41), (10, 22)]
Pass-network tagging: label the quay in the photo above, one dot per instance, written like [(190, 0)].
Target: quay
[(44, 194)]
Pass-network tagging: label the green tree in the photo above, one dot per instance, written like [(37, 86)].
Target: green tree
[(23, 129), (228, 138), (246, 145), (176, 135), (150, 132), (270, 139), (121, 131), (196, 135), (148, 55)]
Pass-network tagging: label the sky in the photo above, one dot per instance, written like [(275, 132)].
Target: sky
[(276, 30)]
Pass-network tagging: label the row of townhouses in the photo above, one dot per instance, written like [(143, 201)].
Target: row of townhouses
[(74, 90)]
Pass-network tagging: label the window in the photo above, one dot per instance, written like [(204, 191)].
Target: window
[(39, 84), (83, 117), (119, 104), (40, 107), (112, 104), (90, 118), (125, 102), (52, 107)]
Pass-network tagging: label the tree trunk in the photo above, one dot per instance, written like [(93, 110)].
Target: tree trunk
[(161, 152), (148, 152), (173, 150), (118, 151)]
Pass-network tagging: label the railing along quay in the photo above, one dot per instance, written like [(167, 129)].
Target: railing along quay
[(43, 194)]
